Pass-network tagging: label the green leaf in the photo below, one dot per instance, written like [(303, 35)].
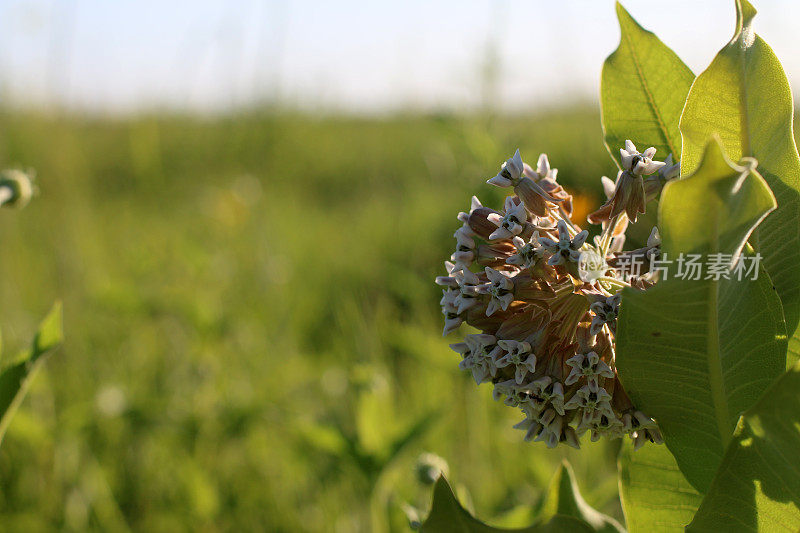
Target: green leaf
[(653, 491), (695, 354), (757, 487), (448, 516), (793, 353), (744, 97), (642, 91), (564, 498), (15, 378)]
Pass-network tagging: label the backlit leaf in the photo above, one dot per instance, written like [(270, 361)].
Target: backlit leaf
[(654, 493), (744, 97), (695, 353), (15, 378), (643, 89), (757, 487)]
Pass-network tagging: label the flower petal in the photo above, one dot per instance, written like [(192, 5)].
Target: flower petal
[(580, 238), (495, 218), (499, 181), (543, 166)]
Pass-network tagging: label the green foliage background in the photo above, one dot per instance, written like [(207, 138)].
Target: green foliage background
[(237, 288), (251, 322)]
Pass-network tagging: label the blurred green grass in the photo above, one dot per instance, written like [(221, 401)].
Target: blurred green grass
[(251, 320)]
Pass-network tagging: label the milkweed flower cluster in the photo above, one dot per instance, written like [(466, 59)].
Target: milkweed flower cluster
[(546, 300)]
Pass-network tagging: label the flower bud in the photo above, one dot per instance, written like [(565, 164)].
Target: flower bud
[(534, 196), (429, 467), (479, 222), (16, 188)]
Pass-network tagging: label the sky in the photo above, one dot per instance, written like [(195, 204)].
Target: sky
[(355, 56)]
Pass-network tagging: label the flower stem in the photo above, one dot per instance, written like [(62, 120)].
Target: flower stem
[(608, 235)]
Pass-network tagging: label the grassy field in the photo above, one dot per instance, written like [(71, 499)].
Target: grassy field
[(253, 333)]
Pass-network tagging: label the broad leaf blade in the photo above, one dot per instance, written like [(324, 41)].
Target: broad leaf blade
[(15, 378), (744, 97), (564, 498), (654, 493), (695, 354), (643, 89), (448, 516), (757, 486)]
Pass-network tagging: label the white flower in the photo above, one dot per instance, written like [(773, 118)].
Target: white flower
[(462, 348), (527, 253), (449, 297), (480, 372), (653, 244), (543, 170), (465, 249), (618, 239), (517, 354), (448, 280), (501, 290), (571, 437), (467, 296), (639, 164), (532, 405), (474, 204), (669, 171), (589, 366), (608, 186), (641, 429), (511, 223), (515, 395), (483, 353), (544, 390), (605, 312), (531, 427), (590, 401), (654, 239), (603, 424), (451, 318), (555, 431), (510, 172), (565, 249)]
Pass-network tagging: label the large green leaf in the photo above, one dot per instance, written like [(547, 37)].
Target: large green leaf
[(757, 487), (695, 354), (744, 97), (654, 493), (448, 516), (15, 378), (642, 91), (564, 498)]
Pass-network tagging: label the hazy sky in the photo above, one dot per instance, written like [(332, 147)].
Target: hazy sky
[(364, 56)]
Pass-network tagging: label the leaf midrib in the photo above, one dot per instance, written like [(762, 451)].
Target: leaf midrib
[(715, 375), (744, 124), (650, 98), (715, 366)]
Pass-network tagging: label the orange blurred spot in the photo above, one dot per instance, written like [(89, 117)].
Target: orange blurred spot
[(582, 205)]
